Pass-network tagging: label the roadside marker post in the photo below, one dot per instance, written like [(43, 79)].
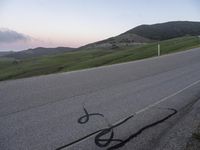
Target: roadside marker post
[(158, 49)]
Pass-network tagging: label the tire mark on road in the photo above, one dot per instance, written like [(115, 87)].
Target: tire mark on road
[(84, 119), (143, 129), (90, 135), (102, 142), (105, 142)]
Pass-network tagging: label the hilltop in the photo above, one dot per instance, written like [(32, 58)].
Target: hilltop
[(132, 45), (37, 52), (149, 33), (168, 30)]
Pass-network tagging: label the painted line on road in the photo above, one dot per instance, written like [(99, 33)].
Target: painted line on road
[(141, 130), (136, 113), (166, 98), (163, 99)]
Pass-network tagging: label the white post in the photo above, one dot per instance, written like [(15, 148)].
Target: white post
[(158, 49)]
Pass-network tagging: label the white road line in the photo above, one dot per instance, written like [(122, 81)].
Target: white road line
[(146, 108), (162, 100)]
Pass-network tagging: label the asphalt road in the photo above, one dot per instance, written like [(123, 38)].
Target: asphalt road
[(125, 106)]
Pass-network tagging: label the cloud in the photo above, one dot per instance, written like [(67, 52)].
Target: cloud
[(10, 36)]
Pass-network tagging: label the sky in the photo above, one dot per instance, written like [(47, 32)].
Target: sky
[(28, 24)]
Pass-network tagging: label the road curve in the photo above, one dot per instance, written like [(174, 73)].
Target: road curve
[(124, 106)]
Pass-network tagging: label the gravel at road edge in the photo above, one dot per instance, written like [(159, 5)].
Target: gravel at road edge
[(180, 136)]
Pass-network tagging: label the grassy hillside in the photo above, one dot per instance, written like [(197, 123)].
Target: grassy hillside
[(149, 33), (119, 41), (5, 53), (168, 30), (36, 52), (12, 69)]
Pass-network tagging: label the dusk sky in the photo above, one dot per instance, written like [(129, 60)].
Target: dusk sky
[(73, 23)]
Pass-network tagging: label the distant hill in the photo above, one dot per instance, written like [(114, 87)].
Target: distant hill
[(119, 41), (5, 53), (40, 51), (139, 35), (168, 30), (13, 69), (150, 33)]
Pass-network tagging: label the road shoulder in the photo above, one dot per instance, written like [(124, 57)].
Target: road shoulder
[(194, 141), (180, 136)]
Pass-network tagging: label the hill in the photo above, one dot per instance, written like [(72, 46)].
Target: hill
[(6, 53), (81, 59), (135, 37), (168, 30), (137, 43), (119, 41), (149, 33), (37, 52)]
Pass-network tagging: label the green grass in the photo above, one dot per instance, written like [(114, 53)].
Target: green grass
[(10, 69)]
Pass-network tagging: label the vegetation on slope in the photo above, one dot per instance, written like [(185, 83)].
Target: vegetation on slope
[(40, 51), (164, 31), (75, 60), (149, 34)]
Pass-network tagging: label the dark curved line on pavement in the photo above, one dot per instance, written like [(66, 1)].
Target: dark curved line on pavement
[(143, 129), (84, 119), (106, 142), (89, 135), (79, 140), (122, 143)]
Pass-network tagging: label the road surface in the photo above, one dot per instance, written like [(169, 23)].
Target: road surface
[(124, 106)]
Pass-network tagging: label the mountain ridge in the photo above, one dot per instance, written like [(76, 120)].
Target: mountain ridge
[(166, 30), (138, 35), (150, 33), (39, 51)]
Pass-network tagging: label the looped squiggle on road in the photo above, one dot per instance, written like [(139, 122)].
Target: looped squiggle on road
[(103, 140), (84, 119)]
